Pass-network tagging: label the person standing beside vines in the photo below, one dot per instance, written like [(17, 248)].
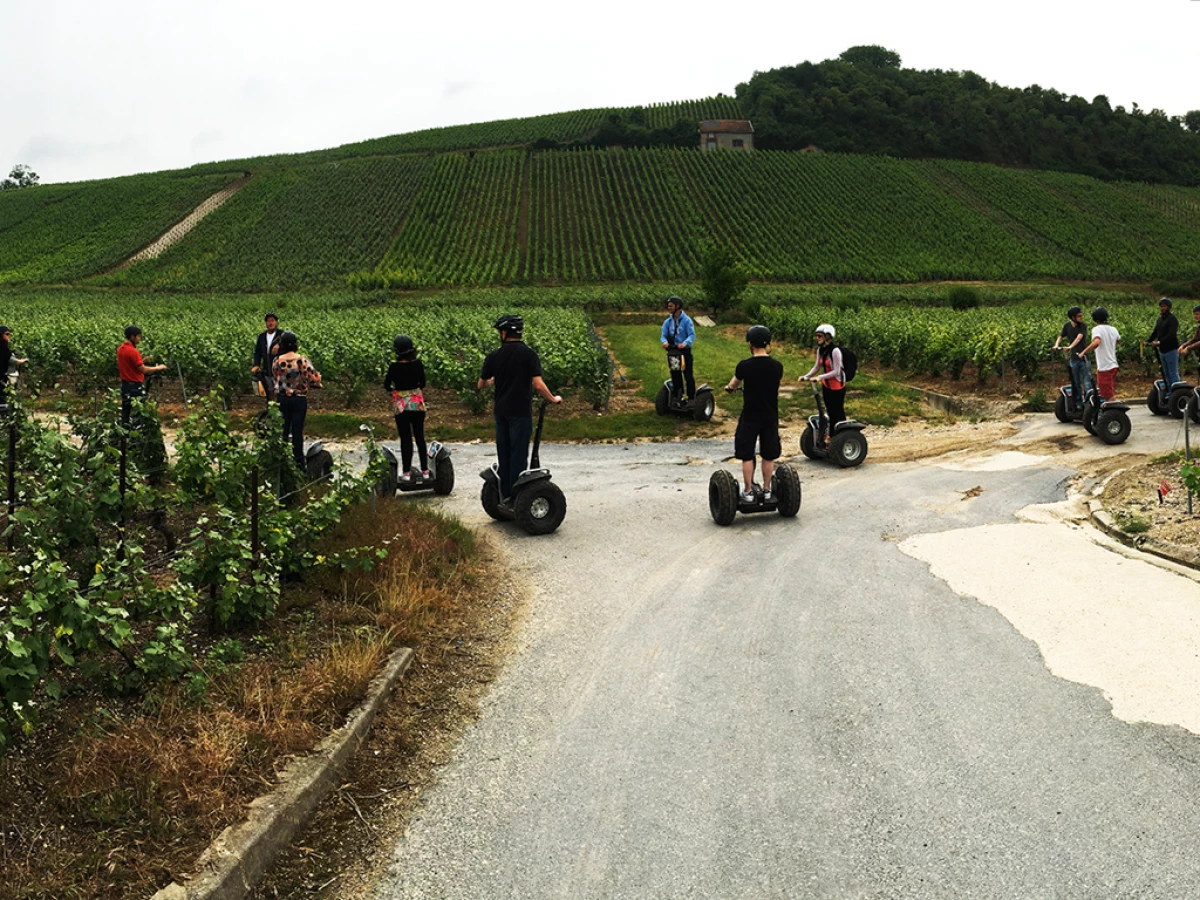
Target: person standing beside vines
[(406, 382), (9, 362), (678, 335), (294, 375), (132, 369)]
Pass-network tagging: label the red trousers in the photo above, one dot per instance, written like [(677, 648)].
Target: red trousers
[(1106, 384)]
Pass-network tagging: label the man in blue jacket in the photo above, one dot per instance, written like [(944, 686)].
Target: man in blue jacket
[(678, 335)]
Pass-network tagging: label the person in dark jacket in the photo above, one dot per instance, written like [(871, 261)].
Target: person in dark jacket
[(1165, 337), (405, 381), (266, 348)]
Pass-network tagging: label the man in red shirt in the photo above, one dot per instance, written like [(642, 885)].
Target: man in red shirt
[(133, 371)]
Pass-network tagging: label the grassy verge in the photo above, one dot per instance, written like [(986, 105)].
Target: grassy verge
[(115, 796)]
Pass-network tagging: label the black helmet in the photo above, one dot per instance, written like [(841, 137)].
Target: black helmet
[(758, 335), (404, 347), (288, 342), (131, 331), (675, 300), (513, 324), (1100, 315), (1074, 311), (1165, 301)]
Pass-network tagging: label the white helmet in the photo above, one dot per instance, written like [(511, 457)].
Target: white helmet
[(826, 329)]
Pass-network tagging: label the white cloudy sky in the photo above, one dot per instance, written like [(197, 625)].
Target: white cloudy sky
[(97, 88)]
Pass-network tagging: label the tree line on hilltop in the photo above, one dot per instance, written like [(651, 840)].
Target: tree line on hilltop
[(864, 102)]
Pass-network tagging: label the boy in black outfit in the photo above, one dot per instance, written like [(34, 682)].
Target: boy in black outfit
[(759, 422), (515, 370)]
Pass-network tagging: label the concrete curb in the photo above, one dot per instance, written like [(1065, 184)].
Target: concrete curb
[(1101, 518), (235, 862)]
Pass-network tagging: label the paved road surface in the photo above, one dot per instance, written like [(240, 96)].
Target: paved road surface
[(904, 692)]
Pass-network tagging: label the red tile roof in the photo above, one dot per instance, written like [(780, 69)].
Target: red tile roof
[(727, 126)]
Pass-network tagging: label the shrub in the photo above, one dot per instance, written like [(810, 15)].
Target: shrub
[(963, 298)]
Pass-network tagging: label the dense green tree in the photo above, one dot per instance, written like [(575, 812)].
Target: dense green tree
[(722, 278), (871, 55), (21, 176), (864, 102)]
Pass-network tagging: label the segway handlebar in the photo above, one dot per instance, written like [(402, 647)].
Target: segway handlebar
[(535, 461)]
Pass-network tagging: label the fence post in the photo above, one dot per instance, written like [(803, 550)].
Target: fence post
[(121, 487), (1187, 448), (12, 479)]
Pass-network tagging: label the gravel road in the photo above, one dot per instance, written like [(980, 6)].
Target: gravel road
[(913, 689)]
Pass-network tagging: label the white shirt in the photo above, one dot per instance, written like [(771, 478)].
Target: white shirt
[(271, 335), (1106, 353)]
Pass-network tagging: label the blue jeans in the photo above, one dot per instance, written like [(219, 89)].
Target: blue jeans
[(512, 449), (1081, 379), (1170, 364)]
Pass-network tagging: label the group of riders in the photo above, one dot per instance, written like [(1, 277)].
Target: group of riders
[(1073, 340), (514, 370)]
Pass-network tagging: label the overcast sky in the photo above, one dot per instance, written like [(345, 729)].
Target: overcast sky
[(98, 88)]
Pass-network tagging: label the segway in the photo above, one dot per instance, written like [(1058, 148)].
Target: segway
[(672, 401), (1106, 419), (318, 462), (1165, 399), (441, 473), (538, 504), (848, 445), (725, 501), (1069, 406)]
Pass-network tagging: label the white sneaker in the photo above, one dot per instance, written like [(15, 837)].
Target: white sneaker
[(425, 475), (748, 496), (766, 496), (406, 478)]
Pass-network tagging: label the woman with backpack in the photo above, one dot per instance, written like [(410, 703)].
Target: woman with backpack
[(405, 382), (294, 376), (832, 375)]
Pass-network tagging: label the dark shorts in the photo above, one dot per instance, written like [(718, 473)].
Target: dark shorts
[(765, 434)]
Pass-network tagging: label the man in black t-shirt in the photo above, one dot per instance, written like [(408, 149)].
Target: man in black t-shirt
[(1073, 338), (515, 371), (759, 422)]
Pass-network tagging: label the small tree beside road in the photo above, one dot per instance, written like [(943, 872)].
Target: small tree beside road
[(722, 278)]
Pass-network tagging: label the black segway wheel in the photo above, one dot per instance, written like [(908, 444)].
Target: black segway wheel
[(443, 478), (662, 402), (489, 497), (1060, 410), (1193, 409), (1113, 427), (386, 487), (808, 443), (786, 487), (1152, 401), (1177, 403), (723, 497), (540, 507), (1089, 419), (704, 406), (320, 466), (848, 448)]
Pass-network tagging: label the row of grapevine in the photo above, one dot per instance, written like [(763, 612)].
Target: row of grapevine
[(462, 226), (62, 232), (290, 228), (210, 340), (1101, 226), (940, 342), (563, 217), (563, 127), (663, 115)]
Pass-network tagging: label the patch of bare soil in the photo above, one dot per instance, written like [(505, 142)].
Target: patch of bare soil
[(910, 440), (1132, 498)]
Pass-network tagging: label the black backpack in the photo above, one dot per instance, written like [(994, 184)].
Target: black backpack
[(849, 364)]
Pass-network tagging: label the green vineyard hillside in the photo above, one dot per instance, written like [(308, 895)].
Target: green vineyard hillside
[(577, 217), (488, 204)]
